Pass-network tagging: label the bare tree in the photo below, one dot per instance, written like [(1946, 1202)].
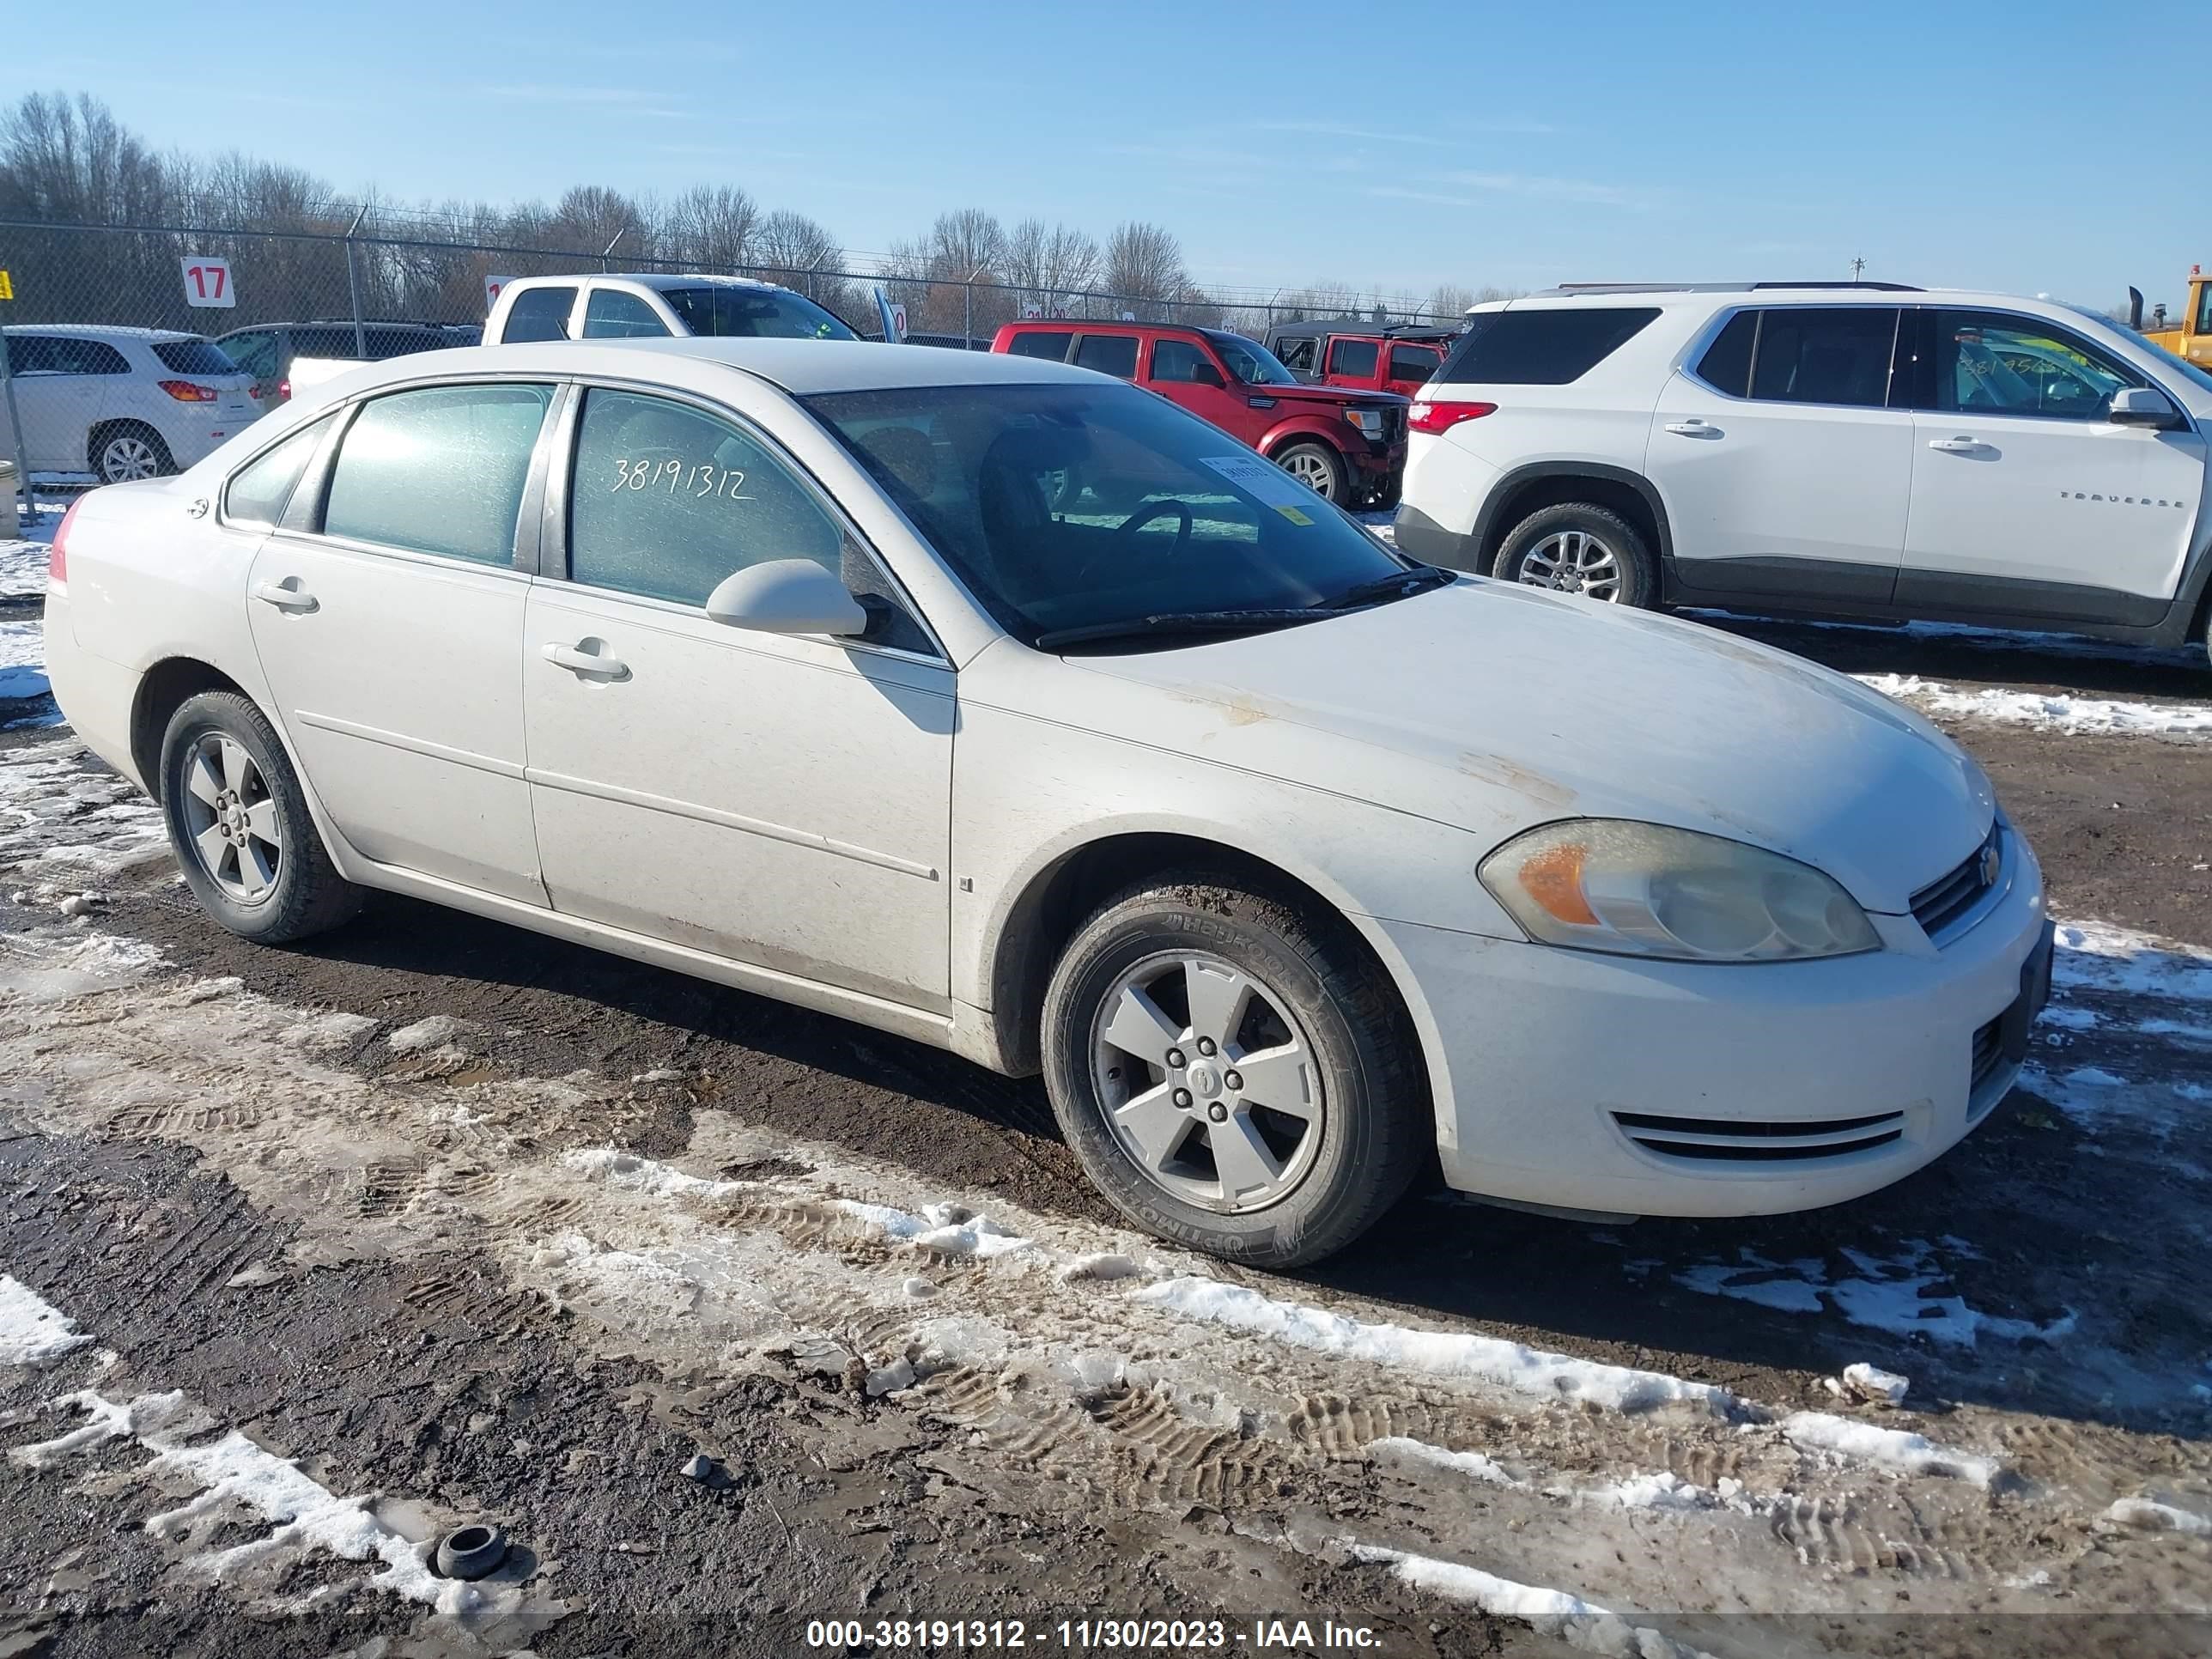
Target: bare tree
[(1050, 262), (1143, 262), (590, 216), (711, 225), (75, 163), (1448, 300)]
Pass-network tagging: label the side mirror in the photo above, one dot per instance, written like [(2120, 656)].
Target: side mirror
[(786, 596), (2142, 405), (1207, 374)]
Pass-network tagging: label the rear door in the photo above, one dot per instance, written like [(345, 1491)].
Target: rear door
[(388, 615), (1784, 467), (2027, 499), (1111, 351), (1409, 366), (1353, 360)]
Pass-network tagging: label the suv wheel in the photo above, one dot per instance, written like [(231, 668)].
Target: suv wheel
[(1581, 549), (125, 450), (1233, 1072), (1316, 465), (239, 824)]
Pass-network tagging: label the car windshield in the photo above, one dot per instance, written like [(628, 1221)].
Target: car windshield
[(1094, 509), (1248, 361), (754, 313), (2196, 376)]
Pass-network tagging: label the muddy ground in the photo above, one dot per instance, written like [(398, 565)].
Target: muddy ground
[(372, 1258)]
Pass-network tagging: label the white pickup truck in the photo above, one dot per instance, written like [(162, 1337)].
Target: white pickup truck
[(653, 306)]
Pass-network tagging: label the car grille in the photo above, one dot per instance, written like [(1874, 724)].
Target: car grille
[(1943, 904), (1394, 424), (1730, 1140), (1988, 1058)]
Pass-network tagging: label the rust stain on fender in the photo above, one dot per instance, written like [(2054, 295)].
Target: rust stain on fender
[(1508, 774)]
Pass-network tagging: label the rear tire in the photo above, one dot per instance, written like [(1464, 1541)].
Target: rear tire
[(1581, 548), (239, 824), (1314, 1144), (1316, 466), (119, 451)]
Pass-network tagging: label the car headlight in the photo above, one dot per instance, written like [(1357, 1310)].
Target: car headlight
[(1368, 421), (1645, 889)]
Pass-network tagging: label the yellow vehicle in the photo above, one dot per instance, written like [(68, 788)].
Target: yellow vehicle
[(2192, 341)]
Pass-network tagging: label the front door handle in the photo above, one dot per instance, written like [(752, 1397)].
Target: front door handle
[(286, 595), (591, 664), (1960, 446), (1694, 428)]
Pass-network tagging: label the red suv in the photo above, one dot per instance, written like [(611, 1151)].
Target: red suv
[(1352, 353), (1349, 446)]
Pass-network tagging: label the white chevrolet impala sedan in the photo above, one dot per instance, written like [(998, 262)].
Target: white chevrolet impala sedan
[(1006, 707)]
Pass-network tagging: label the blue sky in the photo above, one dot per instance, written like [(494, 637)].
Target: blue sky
[(2033, 146)]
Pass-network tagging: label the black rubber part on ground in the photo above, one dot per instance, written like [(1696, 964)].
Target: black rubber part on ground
[(472, 1552), (311, 898), (1639, 571), (1377, 1127)]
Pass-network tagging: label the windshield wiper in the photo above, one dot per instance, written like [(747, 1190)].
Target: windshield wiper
[(1398, 585), (1180, 621)]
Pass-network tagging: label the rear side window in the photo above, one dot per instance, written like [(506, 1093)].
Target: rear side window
[(1353, 357), (1726, 365), (1046, 344), (195, 357), (261, 488), (256, 354), (1550, 346), (1109, 354), (325, 343), (612, 314), (439, 470), (384, 343), (540, 314), (1412, 362), (1823, 354)]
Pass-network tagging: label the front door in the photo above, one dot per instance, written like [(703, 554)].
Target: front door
[(1784, 469), (1185, 373), (389, 621), (2027, 500), (784, 801)]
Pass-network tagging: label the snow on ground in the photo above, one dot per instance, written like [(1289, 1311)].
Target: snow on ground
[(2052, 711), (1580, 1624), (1894, 1293), (22, 658), (2096, 955), (23, 567), (31, 1331)]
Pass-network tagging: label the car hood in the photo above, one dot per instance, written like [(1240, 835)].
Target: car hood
[(1496, 708), (1336, 397)]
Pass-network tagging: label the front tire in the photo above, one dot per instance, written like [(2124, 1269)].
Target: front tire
[(1233, 1072), (1581, 549), (239, 824), (1316, 466)]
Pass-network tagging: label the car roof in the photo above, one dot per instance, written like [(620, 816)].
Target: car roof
[(1709, 296), (659, 280), (102, 331), (802, 367)]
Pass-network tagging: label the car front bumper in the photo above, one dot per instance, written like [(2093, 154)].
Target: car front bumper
[(1610, 1083)]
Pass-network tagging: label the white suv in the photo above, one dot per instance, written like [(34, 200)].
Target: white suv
[(121, 402), (1862, 450)]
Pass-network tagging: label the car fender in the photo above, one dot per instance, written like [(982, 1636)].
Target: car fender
[(1329, 430), (1487, 518)]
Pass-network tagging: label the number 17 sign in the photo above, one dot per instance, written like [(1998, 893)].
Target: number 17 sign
[(207, 283)]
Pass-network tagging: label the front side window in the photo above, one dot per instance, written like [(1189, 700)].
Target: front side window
[(668, 500), (34, 354), (1989, 362), (1248, 361), (65, 353), (612, 314), (2204, 308), (438, 470), (764, 313), (1096, 506), (261, 489), (1546, 345), (1355, 358), (325, 343), (1413, 362), (1823, 354), (540, 314), (1179, 360), (1109, 354)]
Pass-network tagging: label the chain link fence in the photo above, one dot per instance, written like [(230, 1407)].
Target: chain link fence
[(96, 410)]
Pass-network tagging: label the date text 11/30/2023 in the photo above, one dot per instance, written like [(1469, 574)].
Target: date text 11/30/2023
[(1093, 1635)]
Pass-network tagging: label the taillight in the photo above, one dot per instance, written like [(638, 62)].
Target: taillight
[(284, 390), (188, 392), (1442, 416), (58, 555)]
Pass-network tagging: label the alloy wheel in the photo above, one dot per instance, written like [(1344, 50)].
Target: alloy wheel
[(232, 819), (126, 456), (1312, 469), (1573, 562), (1209, 1084)]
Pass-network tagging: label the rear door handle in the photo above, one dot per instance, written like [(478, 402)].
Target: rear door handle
[(286, 595), (1693, 428), (1961, 446), (589, 664)]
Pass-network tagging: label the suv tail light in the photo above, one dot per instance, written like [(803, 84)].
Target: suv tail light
[(1442, 416), (188, 392), (58, 555), (284, 389)]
